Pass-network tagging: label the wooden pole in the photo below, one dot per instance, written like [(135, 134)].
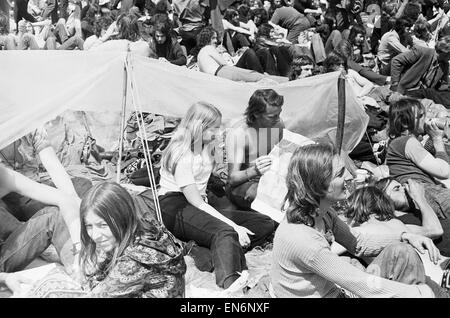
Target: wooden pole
[(341, 113), (122, 124)]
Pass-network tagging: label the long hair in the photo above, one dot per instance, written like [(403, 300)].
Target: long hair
[(199, 117), (165, 27), (308, 180), (204, 36), (354, 31), (383, 183), (334, 59), (258, 103), (403, 117), (264, 30), (112, 203), (128, 27), (230, 14), (345, 49), (365, 201)]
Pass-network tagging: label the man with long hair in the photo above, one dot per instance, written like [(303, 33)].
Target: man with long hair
[(165, 46), (248, 144)]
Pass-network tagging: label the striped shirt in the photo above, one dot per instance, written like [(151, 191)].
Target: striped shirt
[(304, 265)]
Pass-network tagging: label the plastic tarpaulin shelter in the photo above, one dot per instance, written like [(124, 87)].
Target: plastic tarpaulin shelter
[(36, 86)]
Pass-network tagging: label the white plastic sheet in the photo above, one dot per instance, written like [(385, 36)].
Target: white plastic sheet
[(36, 86)]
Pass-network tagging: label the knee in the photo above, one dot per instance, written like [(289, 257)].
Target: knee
[(226, 233), (50, 212)]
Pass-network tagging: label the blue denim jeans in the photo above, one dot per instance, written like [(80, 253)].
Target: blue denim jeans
[(21, 243), (188, 223)]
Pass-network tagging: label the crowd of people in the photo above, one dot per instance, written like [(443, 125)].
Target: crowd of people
[(394, 56)]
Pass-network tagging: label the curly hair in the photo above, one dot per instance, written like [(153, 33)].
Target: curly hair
[(261, 13), (308, 180), (296, 66), (204, 36)]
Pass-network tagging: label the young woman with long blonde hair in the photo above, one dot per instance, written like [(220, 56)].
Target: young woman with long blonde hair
[(187, 164)]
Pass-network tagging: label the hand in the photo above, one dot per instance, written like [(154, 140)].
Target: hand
[(422, 243), (416, 191), (243, 234), (14, 280), (263, 164), (433, 130), (162, 59)]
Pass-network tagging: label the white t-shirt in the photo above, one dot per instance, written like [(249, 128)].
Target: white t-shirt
[(191, 169)]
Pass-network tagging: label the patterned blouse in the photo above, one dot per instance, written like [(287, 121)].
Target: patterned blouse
[(152, 267)]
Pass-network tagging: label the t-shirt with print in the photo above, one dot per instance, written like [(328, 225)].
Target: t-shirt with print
[(191, 169), (23, 154)]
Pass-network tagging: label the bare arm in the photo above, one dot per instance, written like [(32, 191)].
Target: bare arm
[(228, 26), (68, 205), (235, 146), (436, 167), (431, 227), (56, 171)]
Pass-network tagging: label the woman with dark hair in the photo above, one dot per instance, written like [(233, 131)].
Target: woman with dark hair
[(124, 255), (165, 46), (408, 159), (357, 38), (303, 263), (259, 16)]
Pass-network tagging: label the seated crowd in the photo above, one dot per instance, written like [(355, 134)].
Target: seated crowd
[(395, 58)]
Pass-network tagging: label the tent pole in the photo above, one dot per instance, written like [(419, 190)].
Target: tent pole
[(122, 124), (341, 113)]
